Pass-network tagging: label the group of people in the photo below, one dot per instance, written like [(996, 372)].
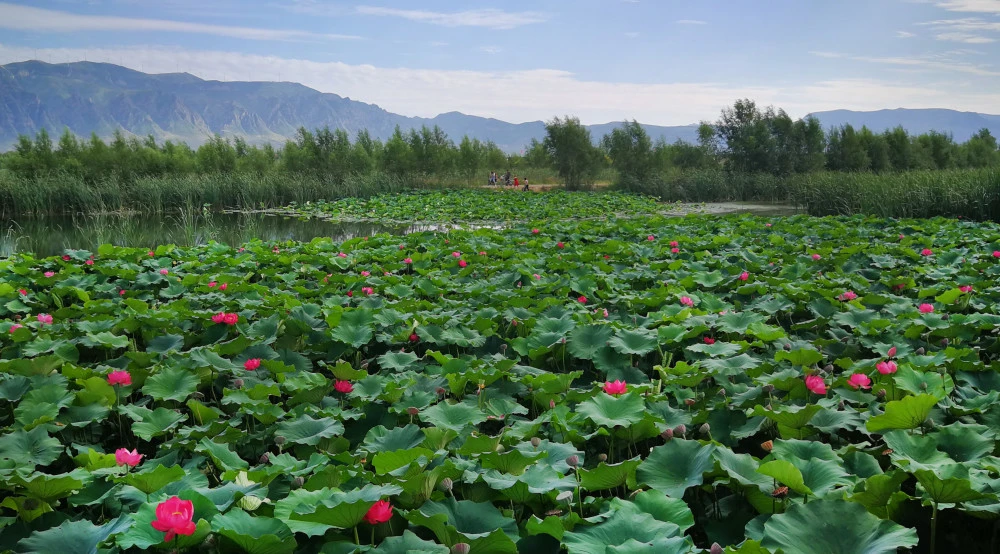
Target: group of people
[(496, 178)]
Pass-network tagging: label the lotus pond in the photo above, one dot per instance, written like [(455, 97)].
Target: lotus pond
[(661, 385)]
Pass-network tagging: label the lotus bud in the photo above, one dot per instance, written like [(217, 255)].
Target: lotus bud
[(923, 386), (536, 442), (500, 448), (197, 395), (945, 317), (264, 458), (840, 405), (722, 392), (602, 457), (573, 461), (552, 404), (238, 383), (440, 391), (769, 407), (828, 368), (461, 548), (364, 365), (768, 388), (767, 446), (944, 342), (920, 351), (930, 424), (680, 430), (412, 411), (690, 401), (715, 549), (787, 347), (704, 429), (447, 484), (279, 440), (298, 482), (503, 348), (564, 496), (667, 434), (881, 393)]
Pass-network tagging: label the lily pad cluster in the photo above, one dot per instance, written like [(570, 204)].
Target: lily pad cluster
[(657, 385), (480, 206)]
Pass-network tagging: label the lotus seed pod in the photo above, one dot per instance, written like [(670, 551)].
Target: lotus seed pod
[(298, 482), (461, 548), (944, 342), (680, 430), (602, 457), (920, 351), (573, 461), (238, 383), (264, 458), (704, 429), (881, 393), (769, 388), (715, 549), (667, 434), (564, 496), (412, 411), (447, 484), (840, 405), (722, 392), (279, 440), (787, 346), (828, 368), (536, 442), (945, 317)]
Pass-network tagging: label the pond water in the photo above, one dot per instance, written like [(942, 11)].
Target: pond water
[(49, 236)]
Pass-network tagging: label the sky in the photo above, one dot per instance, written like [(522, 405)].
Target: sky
[(665, 62)]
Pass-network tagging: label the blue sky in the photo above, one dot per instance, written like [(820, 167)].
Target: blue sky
[(659, 61)]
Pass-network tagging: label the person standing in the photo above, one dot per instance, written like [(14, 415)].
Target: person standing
[(526, 184), (516, 183)]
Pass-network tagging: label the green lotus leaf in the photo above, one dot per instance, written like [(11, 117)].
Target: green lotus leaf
[(223, 457), (389, 461), (398, 361), (964, 443), (453, 416), (785, 473), (380, 439), (306, 430), (409, 543), (914, 451), (621, 529), (72, 537), (172, 383), (881, 493), (254, 535), (803, 357), (30, 448), (633, 342), (607, 410), (165, 344), (478, 524), (586, 341), (947, 484), (742, 468), (908, 413), (152, 423), (834, 527), (676, 466), (152, 480), (608, 476)]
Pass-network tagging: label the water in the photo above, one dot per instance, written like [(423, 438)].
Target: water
[(50, 236)]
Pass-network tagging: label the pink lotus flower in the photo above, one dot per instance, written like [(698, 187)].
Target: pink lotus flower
[(174, 517), (674, 243), (534, 231), (859, 381), (536, 276), (66, 257), (343, 387), (926, 308), (368, 291), (686, 300), (605, 313), (120, 377), (900, 286), (886, 368), (462, 263), (847, 296), (456, 254), (816, 384), (15, 327), (224, 286), (891, 353), (582, 299), (341, 255), (211, 284), (482, 252), (121, 292), (366, 273), (23, 292), (901, 236), (49, 273), (414, 337), (408, 261), (615, 387), (675, 250), (560, 245), (708, 340), (219, 317), (744, 276), (251, 364), (767, 225), (650, 238), (350, 294), (966, 288), (816, 257), (996, 253), (44, 319), (380, 512), (164, 271), (89, 261), (926, 252), (231, 319), (125, 458)]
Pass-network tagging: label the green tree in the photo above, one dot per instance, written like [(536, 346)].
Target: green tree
[(746, 133), (631, 151), (981, 150), (470, 157), (573, 153)]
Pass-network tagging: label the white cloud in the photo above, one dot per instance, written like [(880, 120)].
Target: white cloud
[(541, 93), (976, 6), (826, 54), (491, 49), (905, 34), (25, 18), (491, 18), (690, 22), (967, 38), (939, 62)]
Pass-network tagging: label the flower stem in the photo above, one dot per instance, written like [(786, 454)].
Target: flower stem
[(357, 541), (934, 528)]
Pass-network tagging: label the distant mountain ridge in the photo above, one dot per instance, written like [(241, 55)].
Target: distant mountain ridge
[(961, 125), (90, 97), (98, 97)]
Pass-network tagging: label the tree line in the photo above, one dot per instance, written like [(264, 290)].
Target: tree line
[(745, 139)]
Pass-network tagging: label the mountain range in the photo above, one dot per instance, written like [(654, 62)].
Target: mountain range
[(88, 97)]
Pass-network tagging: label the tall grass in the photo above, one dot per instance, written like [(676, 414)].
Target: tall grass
[(711, 185)]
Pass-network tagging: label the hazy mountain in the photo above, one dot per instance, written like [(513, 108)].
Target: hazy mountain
[(97, 97), (961, 125)]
